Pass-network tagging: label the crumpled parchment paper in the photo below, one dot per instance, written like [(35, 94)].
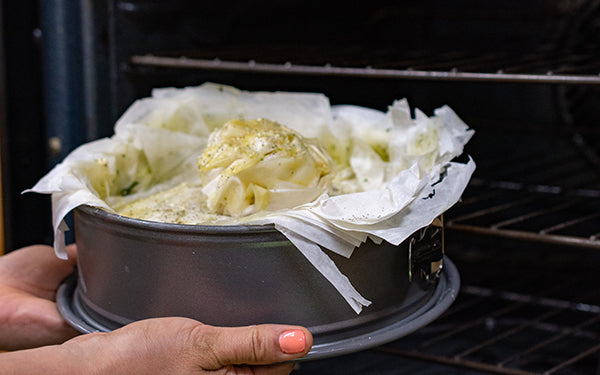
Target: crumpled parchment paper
[(158, 139)]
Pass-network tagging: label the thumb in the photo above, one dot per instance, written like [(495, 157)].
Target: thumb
[(254, 345)]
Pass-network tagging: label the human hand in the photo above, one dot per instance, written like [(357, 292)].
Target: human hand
[(29, 278), (182, 346)]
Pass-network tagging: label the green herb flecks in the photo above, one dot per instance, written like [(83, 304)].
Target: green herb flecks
[(128, 189)]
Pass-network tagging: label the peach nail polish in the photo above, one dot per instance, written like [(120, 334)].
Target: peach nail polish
[(292, 342)]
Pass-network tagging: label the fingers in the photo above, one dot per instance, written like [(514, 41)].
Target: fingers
[(72, 254), (31, 322), (181, 345), (253, 345), (36, 270)]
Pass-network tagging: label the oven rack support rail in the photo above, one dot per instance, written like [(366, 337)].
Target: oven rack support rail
[(581, 69)]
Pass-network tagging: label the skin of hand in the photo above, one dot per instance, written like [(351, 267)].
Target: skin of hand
[(28, 318), (185, 346), (29, 278)]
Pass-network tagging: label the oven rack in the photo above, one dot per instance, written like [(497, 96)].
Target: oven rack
[(523, 309), (514, 334), (544, 65), (543, 213), (542, 186)]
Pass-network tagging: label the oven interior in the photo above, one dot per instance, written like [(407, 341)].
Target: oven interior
[(524, 74)]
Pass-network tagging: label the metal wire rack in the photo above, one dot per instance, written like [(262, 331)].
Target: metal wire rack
[(543, 65), (537, 187), (510, 333), (526, 309), (531, 212)]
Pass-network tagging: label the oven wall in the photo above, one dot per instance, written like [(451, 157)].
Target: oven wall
[(24, 151), (292, 31)]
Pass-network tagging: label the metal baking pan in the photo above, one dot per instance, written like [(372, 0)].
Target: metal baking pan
[(130, 269)]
